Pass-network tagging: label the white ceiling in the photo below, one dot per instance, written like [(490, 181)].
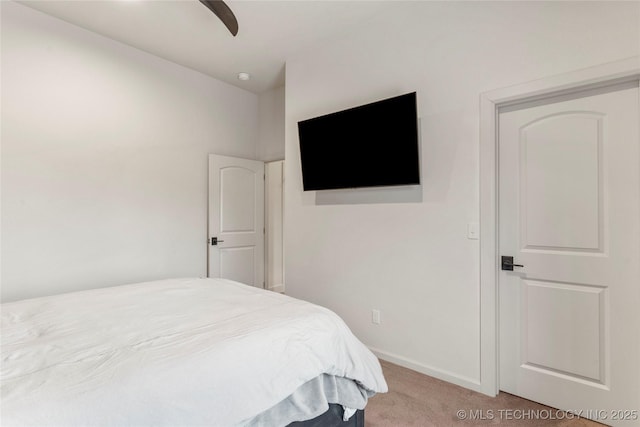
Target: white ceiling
[(186, 32)]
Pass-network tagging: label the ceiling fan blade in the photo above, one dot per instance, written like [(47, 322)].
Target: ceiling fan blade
[(223, 12)]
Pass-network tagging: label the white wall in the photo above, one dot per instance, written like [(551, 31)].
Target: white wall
[(271, 125), (412, 260), (104, 158)]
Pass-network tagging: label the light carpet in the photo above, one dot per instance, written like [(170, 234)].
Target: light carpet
[(415, 399)]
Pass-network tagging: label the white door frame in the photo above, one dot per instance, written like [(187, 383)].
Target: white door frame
[(602, 75), (270, 268)]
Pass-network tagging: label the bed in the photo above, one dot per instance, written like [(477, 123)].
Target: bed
[(205, 352)]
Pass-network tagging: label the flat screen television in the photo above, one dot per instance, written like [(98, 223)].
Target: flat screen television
[(371, 145)]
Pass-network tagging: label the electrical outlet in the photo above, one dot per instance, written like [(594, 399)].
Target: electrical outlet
[(375, 316)]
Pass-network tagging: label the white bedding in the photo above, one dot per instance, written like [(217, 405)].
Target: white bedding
[(173, 352)]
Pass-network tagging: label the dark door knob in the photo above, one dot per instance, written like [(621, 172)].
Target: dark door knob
[(215, 241), (507, 263)]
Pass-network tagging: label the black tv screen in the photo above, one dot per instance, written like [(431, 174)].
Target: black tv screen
[(371, 145)]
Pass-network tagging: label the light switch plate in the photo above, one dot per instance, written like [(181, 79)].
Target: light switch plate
[(473, 231)]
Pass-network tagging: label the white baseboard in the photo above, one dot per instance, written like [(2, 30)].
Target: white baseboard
[(277, 288), (450, 377)]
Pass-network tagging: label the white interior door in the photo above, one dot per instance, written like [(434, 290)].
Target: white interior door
[(236, 219), (569, 212)]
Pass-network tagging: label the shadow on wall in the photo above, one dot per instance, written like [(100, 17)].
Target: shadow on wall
[(360, 196)]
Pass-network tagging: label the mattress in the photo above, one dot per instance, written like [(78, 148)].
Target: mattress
[(178, 352)]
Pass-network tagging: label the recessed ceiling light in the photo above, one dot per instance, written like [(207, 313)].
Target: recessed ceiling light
[(244, 76)]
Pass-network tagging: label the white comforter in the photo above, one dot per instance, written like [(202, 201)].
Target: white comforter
[(173, 352)]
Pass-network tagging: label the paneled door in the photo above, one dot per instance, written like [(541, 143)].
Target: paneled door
[(236, 219), (569, 215)]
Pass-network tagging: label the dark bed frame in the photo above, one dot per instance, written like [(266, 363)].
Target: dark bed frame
[(333, 418)]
